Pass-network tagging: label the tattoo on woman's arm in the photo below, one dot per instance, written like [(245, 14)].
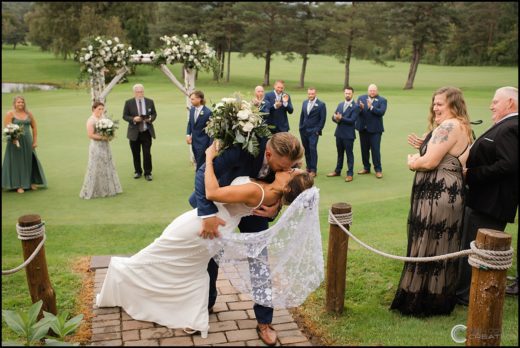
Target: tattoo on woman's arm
[(441, 133)]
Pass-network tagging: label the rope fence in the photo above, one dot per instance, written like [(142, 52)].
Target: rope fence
[(480, 258), (28, 233)]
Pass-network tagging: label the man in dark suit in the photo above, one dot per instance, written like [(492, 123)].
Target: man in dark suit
[(345, 116), (140, 114), (370, 127), (260, 102), (281, 152), (492, 180), (280, 106), (312, 121), (195, 133)]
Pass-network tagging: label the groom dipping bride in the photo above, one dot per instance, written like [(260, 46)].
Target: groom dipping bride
[(170, 281)]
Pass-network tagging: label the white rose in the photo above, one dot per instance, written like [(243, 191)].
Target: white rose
[(114, 49), (109, 42), (243, 115), (87, 56), (129, 48), (197, 42), (248, 127), (219, 105), (89, 70), (191, 42), (116, 39), (185, 35), (90, 48), (81, 59), (229, 100)]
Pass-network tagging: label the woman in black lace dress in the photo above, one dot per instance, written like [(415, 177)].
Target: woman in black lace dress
[(437, 205)]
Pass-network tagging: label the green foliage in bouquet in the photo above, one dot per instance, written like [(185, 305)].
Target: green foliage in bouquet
[(236, 121)]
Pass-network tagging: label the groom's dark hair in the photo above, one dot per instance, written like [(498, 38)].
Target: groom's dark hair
[(286, 145)]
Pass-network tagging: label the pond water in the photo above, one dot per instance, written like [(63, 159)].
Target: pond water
[(23, 87)]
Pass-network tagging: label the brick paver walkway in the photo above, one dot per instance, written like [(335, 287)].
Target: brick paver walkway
[(233, 322)]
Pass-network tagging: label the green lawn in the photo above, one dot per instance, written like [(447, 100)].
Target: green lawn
[(128, 222)]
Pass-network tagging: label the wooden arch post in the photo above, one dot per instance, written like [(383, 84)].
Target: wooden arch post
[(337, 262)]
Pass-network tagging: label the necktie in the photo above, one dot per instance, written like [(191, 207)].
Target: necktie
[(310, 104), (196, 115), (345, 106), (140, 109)]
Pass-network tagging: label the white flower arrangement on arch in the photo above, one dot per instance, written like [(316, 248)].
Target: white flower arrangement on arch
[(103, 53), (190, 50)]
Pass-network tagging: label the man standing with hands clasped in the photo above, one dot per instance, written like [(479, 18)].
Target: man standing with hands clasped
[(312, 121), (140, 114), (370, 128), (280, 105), (491, 175), (345, 116)]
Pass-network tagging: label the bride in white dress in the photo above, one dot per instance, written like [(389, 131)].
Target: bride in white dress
[(167, 282)]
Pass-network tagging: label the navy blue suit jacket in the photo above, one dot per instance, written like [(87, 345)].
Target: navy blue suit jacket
[(313, 122), (345, 126), (371, 120), (200, 140), (278, 117), (265, 107), (232, 163)]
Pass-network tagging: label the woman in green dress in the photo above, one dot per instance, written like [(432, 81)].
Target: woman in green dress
[(21, 169)]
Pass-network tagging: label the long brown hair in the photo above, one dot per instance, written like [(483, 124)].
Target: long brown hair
[(298, 184), (457, 106)]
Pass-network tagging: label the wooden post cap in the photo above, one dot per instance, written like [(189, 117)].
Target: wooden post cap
[(341, 208), (29, 220)]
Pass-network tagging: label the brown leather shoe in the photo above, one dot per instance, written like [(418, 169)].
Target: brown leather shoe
[(267, 334), (349, 178), (331, 174), (364, 171), (379, 175), (313, 174)]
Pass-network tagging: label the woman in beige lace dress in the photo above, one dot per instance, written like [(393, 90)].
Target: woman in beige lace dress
[(101, 179), (437, 203)]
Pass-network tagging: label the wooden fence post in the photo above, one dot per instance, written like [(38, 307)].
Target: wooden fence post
[(337, 262), (487, 292), (40, 286)]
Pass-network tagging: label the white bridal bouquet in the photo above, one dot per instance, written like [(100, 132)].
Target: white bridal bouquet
[(237, 121), (12, 132), (106, 127)]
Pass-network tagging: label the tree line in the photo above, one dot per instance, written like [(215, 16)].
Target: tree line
[(442, 33)]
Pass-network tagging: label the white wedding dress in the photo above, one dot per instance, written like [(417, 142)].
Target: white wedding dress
[(167, 282)]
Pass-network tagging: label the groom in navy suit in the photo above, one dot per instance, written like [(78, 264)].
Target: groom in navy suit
[(312, 121), (282, 152), (195, 133), (280, 106), (345, 117)]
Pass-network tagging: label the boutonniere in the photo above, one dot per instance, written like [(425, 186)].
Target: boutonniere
[(375, 99), (201, 112), (150, 110), (316, 105), (262, 102)]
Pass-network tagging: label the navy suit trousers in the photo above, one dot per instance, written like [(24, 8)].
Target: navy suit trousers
[(310, 144), (370, 143), (249, 224), (345, 146)]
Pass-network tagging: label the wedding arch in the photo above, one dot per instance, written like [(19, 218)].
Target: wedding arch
[(102, 55)]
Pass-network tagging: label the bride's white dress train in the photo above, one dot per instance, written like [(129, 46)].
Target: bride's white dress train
[(167, 282)]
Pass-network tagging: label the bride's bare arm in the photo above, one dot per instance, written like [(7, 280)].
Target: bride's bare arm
[(249, 193)]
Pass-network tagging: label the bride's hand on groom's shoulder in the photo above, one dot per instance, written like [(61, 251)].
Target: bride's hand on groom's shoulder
[(212, 151)]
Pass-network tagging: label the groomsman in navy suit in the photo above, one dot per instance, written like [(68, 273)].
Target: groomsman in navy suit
[(312, 121), (195, 133), (280, 106), (345, 116), (370, 127), (260, 102)]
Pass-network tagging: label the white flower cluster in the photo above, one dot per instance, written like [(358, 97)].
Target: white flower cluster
[(103, 53), (247, 119), (12, 129), (189, 50), (106, 127)]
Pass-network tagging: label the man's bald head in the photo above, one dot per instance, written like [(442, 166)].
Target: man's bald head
[(372, 90), (259, 92), (504, 103)]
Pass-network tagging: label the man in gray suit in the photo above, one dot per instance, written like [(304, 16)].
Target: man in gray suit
[(140, 114)]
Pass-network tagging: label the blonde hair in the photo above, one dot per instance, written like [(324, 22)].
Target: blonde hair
[(457, 106), (286, 145), (24, 103)]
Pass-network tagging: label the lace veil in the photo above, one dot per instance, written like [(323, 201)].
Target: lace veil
[(281, 266)]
